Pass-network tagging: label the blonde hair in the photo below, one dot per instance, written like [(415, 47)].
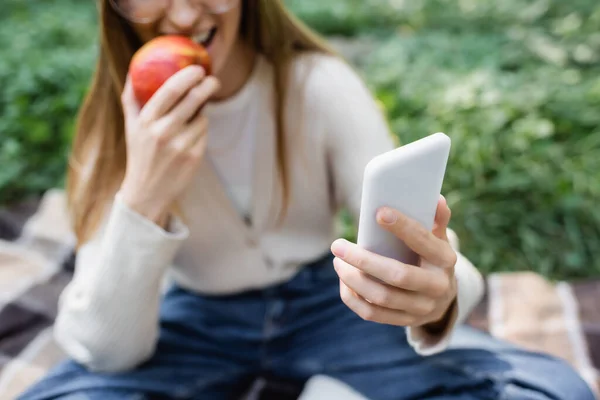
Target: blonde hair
[(98, 158)]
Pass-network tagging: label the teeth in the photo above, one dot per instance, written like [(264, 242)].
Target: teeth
[(202, 37)]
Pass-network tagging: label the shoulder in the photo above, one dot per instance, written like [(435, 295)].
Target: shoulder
[(331, 90), (323, 76), (322, 65)]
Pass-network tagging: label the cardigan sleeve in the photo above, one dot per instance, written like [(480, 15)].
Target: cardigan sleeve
[(108, 313)]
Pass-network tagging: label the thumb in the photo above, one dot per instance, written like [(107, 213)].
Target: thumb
[(130, 105), (442, 219)]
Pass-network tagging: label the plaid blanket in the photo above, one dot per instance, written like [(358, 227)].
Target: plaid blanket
[(36, 262)]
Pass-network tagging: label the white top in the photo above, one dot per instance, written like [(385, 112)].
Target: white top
[(231, 150), (108, 314)]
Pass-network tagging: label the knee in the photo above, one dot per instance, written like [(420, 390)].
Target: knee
[(574, 384), (563, 382), (576, 388)]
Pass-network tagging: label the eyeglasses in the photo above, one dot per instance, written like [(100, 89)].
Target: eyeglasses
[(148, 11)]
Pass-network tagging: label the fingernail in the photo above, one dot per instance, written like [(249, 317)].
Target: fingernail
[(338, 248), (387, 216)]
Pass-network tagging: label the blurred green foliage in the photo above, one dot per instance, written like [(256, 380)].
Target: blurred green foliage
[(47, 51), (516, 84)]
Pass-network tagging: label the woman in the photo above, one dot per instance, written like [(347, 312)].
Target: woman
[(236, 205)]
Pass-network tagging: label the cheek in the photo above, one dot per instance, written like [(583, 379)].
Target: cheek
[(231, 23), (229, 35), (229, 31)]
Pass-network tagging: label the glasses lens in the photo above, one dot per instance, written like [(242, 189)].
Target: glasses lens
[(217, 6), (140, 10), (150, 10)]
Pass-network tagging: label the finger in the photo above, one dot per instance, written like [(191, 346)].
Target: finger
[(194, 131), (193, 100), (199, 147), (390, 271), (372, 312), (381, 294), (170, 127), (417, 237), (128, 100), (442, 219), (200, 123), (172, 91)]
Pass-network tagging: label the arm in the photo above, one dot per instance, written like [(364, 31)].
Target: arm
[(357, 132), (108, 314)]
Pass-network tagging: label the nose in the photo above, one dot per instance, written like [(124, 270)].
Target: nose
[(182, 16)]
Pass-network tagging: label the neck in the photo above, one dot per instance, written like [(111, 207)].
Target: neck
[(236, 72)]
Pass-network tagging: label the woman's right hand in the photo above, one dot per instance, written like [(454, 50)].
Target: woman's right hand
[(166, 140)]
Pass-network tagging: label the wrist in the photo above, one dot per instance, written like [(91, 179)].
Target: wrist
[(437, 327), (150, 210)]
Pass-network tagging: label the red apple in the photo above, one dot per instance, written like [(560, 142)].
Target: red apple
[(160, 58)]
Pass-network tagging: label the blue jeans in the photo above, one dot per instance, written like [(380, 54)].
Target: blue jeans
[(211, 347)]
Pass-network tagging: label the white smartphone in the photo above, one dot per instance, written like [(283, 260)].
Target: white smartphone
[(409, 179)]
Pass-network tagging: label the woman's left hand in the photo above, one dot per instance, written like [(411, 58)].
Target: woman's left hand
[(387, 291)]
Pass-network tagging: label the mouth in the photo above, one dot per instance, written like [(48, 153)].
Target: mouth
[(205, 38)]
